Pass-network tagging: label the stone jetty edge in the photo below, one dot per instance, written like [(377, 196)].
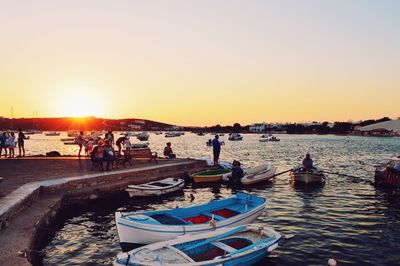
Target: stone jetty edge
[(68, 190)]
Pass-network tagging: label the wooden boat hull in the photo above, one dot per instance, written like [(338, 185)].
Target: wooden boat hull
[(152, 188), (206, 177), (306, 177), (142, 228), (239, 245)]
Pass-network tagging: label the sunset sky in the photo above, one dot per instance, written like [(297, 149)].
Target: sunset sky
[(201, 62)]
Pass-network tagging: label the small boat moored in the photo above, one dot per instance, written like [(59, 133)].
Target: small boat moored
[(388, 173), (298, 174), (240, 245), (211, 175), (156, 188), (153, 226), (257, 174)]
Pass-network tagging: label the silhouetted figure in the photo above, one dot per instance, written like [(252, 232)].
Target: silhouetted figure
[(80, 140), (3, 139), (168, 151), (21, 144), (119, 143), (308, 162), (216, 149), (236, 176)]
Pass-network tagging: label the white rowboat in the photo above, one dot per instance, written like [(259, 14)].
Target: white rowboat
[(257, 174), (307, 176), (240, 245), (156, 188)]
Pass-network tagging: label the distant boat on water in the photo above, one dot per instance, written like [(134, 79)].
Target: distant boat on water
[(173, 134), (235, 137), (144, 136), (52, 133)]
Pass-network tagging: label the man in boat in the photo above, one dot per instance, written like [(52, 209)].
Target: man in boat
[(307, 162), (216, 149), (168, 151)]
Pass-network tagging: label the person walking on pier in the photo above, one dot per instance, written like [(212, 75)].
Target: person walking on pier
[(3, 139), (216, 149)]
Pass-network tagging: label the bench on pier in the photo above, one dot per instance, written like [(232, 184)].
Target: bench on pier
[(142, 153)]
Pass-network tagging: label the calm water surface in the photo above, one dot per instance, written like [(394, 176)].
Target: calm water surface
[(346, 218)]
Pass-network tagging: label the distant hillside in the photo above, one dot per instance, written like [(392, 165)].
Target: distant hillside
[(87, 123)]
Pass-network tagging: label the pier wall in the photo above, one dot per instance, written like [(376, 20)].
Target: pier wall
[(29, 214)]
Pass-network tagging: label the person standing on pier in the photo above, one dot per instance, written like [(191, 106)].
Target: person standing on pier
[(110, 137), (3, 139), (10, 144), (21, 144), (119, 142), (80, 140), (216, 149)]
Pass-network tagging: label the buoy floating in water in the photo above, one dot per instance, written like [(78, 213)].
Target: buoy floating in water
[(332, 262)]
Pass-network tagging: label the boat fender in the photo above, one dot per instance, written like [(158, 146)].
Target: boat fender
[(213, 224)]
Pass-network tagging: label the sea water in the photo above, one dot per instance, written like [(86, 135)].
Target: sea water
[(345, 218)]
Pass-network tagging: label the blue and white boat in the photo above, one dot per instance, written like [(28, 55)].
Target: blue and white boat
[(241, 245), (153, 226)]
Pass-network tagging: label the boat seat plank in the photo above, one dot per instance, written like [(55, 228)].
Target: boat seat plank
[(215, 238), (252, 246), (223, 246)]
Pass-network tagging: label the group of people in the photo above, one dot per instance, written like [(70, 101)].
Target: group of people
[(8, 142), (105, 152)]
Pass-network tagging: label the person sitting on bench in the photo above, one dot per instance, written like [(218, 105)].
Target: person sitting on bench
[(168, 151)]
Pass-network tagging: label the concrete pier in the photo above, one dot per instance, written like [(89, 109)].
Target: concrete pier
[(35, 189)]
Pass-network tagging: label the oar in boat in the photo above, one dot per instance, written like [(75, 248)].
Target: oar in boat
[(282, 172), (335, 173)]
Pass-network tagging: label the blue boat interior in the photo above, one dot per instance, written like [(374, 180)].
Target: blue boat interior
[(213, 249), (218, 210)]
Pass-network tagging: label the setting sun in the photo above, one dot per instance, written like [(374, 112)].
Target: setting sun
[(79, 102)]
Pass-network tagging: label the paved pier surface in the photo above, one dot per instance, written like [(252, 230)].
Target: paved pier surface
[(34, 189)]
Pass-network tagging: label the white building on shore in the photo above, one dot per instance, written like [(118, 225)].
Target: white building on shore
[(260, 127)]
